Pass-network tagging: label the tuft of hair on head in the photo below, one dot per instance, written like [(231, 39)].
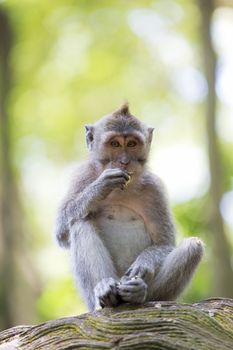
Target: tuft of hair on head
[(121, 120), (123, 110)]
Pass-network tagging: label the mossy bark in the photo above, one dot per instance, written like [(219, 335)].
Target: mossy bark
[(155, 325)]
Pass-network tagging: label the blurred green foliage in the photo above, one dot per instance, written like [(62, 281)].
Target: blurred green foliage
[(59, 298)]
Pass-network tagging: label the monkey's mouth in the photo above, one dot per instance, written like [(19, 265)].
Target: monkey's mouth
[(128, 168), (124, 167)]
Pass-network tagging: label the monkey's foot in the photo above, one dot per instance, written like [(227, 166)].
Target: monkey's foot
[(106, 293), (132, 290)]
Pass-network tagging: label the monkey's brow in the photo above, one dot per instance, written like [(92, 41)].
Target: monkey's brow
[(136, 135)]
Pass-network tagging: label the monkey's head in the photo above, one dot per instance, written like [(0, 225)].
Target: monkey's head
[(119, 140)]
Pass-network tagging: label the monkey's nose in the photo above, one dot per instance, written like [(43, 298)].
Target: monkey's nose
[(124, 161)]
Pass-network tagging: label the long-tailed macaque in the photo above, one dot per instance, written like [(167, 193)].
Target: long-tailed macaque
[(117, 223)]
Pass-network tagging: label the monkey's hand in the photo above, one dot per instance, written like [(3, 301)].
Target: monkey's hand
[(106, 293), (111, 179), (142, 271), (132, 290)]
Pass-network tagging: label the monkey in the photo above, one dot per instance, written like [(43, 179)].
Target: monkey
[(117, 223)]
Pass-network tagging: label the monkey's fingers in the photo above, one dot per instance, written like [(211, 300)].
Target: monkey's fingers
[(130, 173), (134, 298), (135, 271), (106, 292), (138, 271), (131, 289), (133, 293), (134, 282), (117, 172), (111, 298), (107, 300), (118, 182), (126, 184)]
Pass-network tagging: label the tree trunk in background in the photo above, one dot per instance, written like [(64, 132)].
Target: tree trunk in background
[(6, 176), (16, 299), (222, 269)]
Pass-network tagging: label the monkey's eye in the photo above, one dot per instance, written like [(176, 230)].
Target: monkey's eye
[(131, 143), (115, 143)]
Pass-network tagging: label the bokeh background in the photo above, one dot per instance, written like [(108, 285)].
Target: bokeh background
[(65, 63)]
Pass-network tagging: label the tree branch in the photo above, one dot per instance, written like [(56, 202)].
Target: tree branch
[(155, 325)]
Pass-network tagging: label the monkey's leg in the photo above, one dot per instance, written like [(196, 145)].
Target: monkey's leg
[(176, 270), (93, 267), (139, 278)]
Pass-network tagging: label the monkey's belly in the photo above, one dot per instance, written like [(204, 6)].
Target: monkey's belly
[(124, 234)]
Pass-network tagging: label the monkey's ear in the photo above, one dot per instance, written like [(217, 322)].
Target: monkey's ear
[(150, 132), (89, 135)]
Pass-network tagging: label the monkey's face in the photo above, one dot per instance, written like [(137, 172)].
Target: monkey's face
[(119, 140), (125, 151)]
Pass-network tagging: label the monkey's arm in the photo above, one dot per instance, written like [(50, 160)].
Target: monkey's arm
[(83, 199), (81, 179), (76, 206), (81, 205)]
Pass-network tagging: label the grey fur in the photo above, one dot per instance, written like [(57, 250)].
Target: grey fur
[(121, 235)]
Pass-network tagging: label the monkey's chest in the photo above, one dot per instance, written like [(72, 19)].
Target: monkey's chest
[(124, 234)]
